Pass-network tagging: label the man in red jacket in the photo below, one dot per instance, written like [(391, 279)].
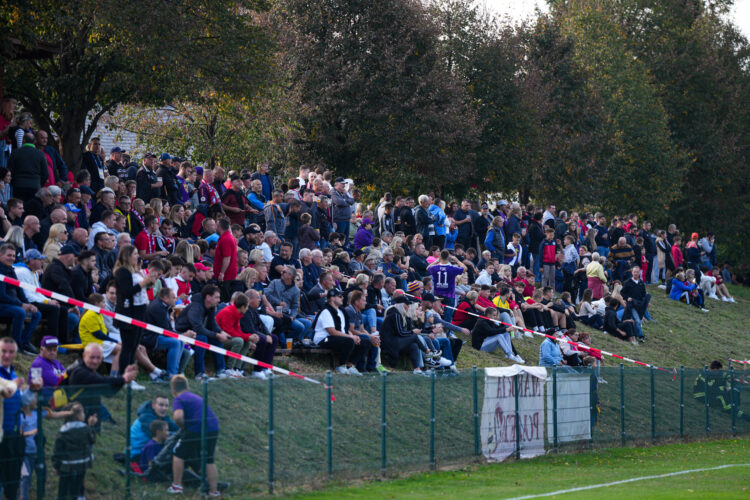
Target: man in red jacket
[(228, 320), (225, 260)]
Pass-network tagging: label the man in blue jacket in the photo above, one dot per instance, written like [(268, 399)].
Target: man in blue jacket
[(14, 305)]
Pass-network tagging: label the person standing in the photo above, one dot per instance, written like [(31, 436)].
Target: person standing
[(147, 182), (342, 207), (132, 300), (73, 452), (187, 411), (28, 169), (225, 260), (444, 272)]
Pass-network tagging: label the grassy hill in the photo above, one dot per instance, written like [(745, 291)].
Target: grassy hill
[(682, 336)]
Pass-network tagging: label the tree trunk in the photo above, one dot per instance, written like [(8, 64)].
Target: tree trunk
[(71, 129)]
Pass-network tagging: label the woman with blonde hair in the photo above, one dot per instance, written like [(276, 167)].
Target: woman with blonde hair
[(15, 236), (255, 256), (184, 249), (248, 276), (178, 218), (58, 235), (157, 205)]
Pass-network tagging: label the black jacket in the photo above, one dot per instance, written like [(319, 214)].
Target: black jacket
[(144, 178), (28, 168), (169, 188), (101, 386), (73, 448), (9, 294), (251, 323), (482, 329), (157, 313), (126, 291), (536, 234), (82, 283), (92, 163), (197, 318), (58, 278)]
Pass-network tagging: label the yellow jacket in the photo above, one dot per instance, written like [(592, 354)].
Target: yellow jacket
[(90, 323), (595, 270)]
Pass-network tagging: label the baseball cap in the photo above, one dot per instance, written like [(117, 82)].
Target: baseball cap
[(430, 297), (246, 176), (165, 156), (484, 205), (50, 341), (501, 203), (338, 179), (67, 250), (694, 236), (199, 170), (117, 149), (251, 230), (33, 253), (201, 266), (234, 176), (72, 208), (400, 299), (87, 190), (334, 292), (149, 155)]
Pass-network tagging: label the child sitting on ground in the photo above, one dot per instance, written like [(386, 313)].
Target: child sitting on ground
[(159, 433)]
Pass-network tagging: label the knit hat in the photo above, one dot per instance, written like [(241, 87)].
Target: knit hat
[(413, 286)]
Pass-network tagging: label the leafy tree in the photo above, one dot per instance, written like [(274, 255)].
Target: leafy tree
[(109, 52), (377, 102)]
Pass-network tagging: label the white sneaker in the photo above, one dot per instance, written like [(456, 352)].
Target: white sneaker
[(601, 380), (713, 297), (445, 362), (135, 386), (724, 299), (518, 359), (222, 374), (731, 299), (423, 373), (703, 309), (259, 375), (342, 370), (663, 287), (454, 369), (353, 371), (528, 334)]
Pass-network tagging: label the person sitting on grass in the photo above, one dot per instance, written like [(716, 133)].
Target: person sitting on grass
[(155, 410), (488, 335), (624, 330), (685, 290), (551, 356), (187, 410), (159, 430)]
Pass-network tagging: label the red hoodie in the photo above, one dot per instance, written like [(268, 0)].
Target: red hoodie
[(228, 320)]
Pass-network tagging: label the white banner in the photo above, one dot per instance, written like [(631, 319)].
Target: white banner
[(573, 407), (498, 427)]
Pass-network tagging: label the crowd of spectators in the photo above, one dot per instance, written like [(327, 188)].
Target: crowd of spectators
[(243, 261)]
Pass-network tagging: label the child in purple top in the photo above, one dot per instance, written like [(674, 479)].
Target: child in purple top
[(159, 433)]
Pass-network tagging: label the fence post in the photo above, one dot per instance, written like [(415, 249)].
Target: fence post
[(705, 395), (653, 406), (128, 403), (554, 408), (518, 426), (682, 400), (41, 471), (329, 428), (270, 435), (622, 403), (432, 419), (204, 414), (734, 405), (592, 407), (476, 411), (383, 422)]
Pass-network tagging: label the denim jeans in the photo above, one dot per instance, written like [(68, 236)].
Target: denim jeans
[(536, 263), (501, 340), (343, 228), (174, 349), (300, 328), (621, 266), (29, 462), (370, 319), (448, 310), (200, 355), (445, 346), (21, 330), (603, 251)]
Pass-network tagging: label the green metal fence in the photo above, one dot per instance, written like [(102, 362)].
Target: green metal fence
[(283, 433)]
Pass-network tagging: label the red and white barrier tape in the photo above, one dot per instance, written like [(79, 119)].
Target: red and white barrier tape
[(583, 347), (745, 362), (156, 329)]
